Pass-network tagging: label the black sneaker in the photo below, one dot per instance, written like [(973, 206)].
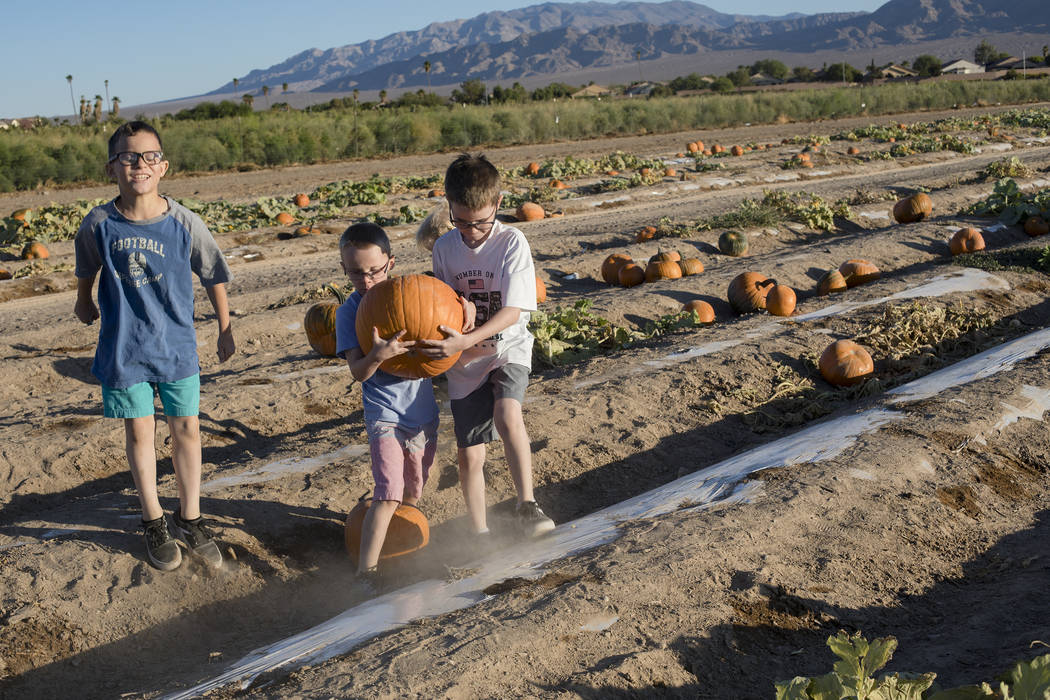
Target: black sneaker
[(533, 521), (371, 581), (199, 539), (161, 549)]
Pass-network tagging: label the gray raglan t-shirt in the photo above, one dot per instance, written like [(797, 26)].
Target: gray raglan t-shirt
[(145, 291)]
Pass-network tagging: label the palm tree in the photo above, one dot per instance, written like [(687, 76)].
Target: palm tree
[(426, 69), (382, 97), (106, 82), (266, 95), (116, 107), (73, 100), (284, 87), (236, 82), (248, 99), (83, 109), (97, 111)]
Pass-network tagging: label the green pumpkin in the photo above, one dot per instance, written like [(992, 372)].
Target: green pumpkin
[(733, 243)]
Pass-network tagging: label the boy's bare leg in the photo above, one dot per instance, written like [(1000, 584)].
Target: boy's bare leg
[(510, 424), (142, 458), (472, 482), (186, 458), (373, 533)]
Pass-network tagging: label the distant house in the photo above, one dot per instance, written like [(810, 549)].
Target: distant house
[(897, 71), (763, 79), (640, 89), (1013, 62), (961, 67), (592, 91)]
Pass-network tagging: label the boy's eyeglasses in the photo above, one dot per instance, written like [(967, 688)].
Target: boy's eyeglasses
[(131, 157), (483, 226), (370, 274)]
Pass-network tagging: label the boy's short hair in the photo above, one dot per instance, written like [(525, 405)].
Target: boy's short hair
[(364, 234), (130, 129), (472, 181)]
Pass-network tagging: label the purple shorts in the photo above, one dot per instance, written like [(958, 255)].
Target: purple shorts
[(401, 459)]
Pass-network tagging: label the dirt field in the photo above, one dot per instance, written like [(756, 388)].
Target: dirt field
[(932, 527)]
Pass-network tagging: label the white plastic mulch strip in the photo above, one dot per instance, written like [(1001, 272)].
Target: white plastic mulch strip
[(720, 483), (965, 280), (276, 470)]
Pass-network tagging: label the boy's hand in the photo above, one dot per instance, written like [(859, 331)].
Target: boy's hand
[(226, 346), (86, 311), (470, 313), (383, 350), (440, 349)]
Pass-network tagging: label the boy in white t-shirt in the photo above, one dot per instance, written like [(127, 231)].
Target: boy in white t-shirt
[(489, 264)]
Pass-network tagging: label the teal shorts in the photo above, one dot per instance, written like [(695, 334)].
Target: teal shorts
[(179, 398)]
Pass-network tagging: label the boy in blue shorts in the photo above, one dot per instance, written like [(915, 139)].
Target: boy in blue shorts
[(148, 247), (401, 415)]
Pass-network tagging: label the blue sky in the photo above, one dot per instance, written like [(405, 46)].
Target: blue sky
[(176, 48)]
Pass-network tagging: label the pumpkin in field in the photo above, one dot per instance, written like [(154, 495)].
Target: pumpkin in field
[(647, 233), (23, 215), (408, 531), (718, 148), (914, 208), (558, 185), (529, 211), (417, 304), (302, 200), (691, 266), (831, 282), (662, 270), (35, 250), (666, 256), (966, 240), (747, 292), (284, 218), (1036, 226), (541, 291), (736, 151), (306, 231), (670, 172), (435, 193), (319, 323), (533, 168), (844, 363), (631, 275), (694, 148), (5, 274), (853, 150), (611, 267), (705, 313), (858, 272), (781, 300), (733, 243)]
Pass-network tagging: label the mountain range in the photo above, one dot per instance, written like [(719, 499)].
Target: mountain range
[(551, 39)]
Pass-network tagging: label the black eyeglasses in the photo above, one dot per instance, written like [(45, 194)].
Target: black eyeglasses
[(370, 274), (131, 157), (483, 226)]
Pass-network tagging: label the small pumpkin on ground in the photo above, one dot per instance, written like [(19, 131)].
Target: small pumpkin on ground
[(853, 150), (611, 267), (858, 272), (666, 256), (5, 274), (35, 250), (529, 211), (831, 282), (693, 147), (733, 243), (736, 151), (844, 363), (705, 313), (417, 304), (914, 208), (435, 193), (541, 291), (662, 270), (408, 531), (23, 215), (319, 323), (747, 292), (670, 172), (284, 218), (647, 233), (631, 275), (1036, 226), (307, 231), (966, 240), (781, 300), (558, 185), (533, 168), (691, 266), (302, 200)]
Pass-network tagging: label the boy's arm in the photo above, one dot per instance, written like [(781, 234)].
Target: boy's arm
[(225, 345), (457, 342), (363, 366), (85, 308)]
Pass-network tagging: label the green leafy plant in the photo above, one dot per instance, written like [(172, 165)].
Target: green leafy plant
[(1009, 203), (569, 335), (1007, 167)]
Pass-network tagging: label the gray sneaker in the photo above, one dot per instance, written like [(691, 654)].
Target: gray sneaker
[(532, 521), (161, 549), (199, 539)]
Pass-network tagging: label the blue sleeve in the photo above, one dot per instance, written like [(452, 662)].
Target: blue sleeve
[(345, 329)]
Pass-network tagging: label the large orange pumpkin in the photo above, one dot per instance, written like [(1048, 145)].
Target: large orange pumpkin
[(302, 200), (529, 211), (912, 209), (662, 270), (285, 218), (844, 363), (408, 531), (533, 168), (705, 313), (747, 292), (858, 272), (966, 240), (631, 275), (832, 281), (319, 323), (691, 266), (417, 304), (781, 300), (611, 267), (666, 256), (35, 250)]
